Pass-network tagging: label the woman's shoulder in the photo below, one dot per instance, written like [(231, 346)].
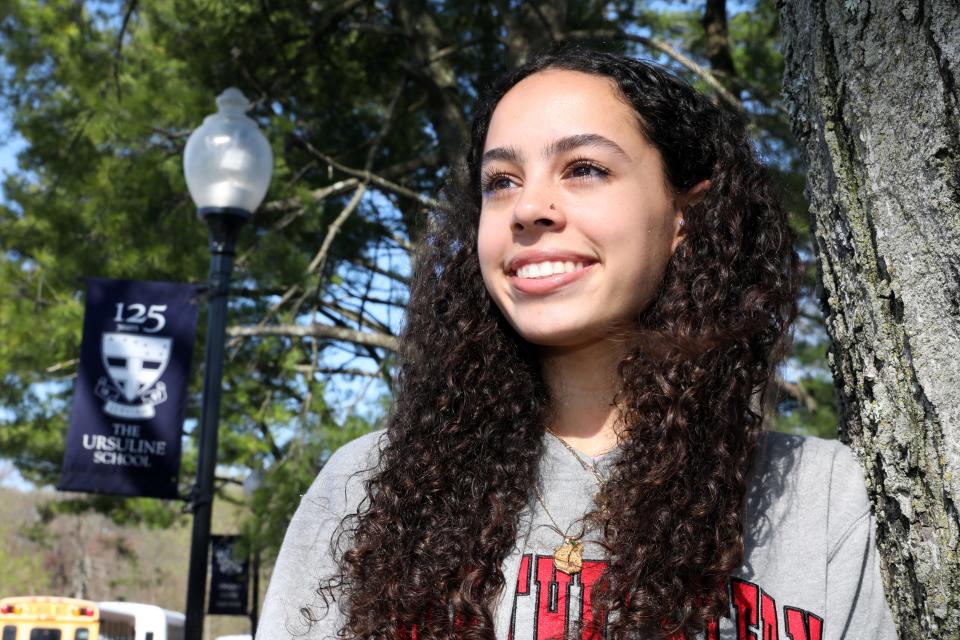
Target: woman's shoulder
[(811, 445), (810, 450), (339, 484), (358, 455), (307, 555), (816, 475), (807, 455)]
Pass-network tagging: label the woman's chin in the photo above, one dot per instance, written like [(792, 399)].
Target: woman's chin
[(559, 336)]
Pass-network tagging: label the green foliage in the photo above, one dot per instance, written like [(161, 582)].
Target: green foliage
[(104, 95)]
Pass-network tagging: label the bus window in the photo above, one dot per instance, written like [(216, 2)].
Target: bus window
[(9, 632), (39, 633), (115, 630), (82, 634)]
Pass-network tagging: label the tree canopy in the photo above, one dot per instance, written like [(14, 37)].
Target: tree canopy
[(366, 103)]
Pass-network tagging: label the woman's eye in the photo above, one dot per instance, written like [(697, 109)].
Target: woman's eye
[(586, 170), (496, 182)]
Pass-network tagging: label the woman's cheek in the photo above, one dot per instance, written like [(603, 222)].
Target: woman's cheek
[(489, 247)]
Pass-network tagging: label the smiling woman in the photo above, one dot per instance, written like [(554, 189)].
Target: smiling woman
[(577, 445), (568, 177)]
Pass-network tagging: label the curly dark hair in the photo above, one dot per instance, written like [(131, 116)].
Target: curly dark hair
[(466, 433)]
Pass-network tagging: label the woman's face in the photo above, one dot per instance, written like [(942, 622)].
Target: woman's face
[(577, 223)]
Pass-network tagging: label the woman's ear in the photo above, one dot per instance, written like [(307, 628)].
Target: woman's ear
[(682, 203), (691, 196)]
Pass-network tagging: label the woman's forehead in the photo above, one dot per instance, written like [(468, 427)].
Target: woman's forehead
[(556, 103)]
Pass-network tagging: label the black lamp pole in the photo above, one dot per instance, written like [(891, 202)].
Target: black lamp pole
[(255, 608), (223, 225)]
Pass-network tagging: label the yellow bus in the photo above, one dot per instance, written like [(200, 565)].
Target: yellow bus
[(53, 618)]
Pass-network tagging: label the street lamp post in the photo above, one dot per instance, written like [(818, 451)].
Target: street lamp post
[(227, 163)]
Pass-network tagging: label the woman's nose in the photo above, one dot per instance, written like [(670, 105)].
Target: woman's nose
[(537, 208)]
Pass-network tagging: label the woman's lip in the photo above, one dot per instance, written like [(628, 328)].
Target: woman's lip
[(548, 284), (547, 255)]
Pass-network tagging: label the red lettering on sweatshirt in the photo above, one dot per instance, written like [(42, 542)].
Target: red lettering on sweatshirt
[(753, 611), (746, 596), (553, 600), (802, 625), (768, 613), (592, 630), (523, 577), (554, 611)]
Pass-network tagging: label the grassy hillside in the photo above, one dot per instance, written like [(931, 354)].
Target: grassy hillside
[(91, 557)]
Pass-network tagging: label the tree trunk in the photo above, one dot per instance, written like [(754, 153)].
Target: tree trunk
[(532, 27), (718, 37), (872, 92), (437, 75)]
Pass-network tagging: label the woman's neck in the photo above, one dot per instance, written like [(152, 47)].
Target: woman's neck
[(583, 382)]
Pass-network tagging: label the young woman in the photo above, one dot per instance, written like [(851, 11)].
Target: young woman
[(576, 447)]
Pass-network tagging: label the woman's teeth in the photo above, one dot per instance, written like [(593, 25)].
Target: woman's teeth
[(544, 269)]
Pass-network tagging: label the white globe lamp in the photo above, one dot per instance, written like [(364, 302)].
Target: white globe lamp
[(227, 161)]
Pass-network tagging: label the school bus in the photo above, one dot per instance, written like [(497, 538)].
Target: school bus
[(54, 618), (150, 621)]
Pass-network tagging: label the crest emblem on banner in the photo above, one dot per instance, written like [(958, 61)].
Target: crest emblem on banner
[(134, 364), (227, 564)]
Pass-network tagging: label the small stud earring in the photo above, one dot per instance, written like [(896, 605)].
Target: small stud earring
[(681, 222)]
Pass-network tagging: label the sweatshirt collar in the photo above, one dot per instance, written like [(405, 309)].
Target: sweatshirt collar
[(558, 461)]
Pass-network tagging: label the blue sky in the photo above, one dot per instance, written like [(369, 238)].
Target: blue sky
[(10, 144)]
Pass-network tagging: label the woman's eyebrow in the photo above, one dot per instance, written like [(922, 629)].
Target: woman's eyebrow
[(568, 143), (557, 147), (507, 154)]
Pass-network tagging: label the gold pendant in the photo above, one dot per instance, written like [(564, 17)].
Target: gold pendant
[(568, 557)]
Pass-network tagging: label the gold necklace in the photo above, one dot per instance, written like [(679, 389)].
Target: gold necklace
[(599, 498), (568, 555)]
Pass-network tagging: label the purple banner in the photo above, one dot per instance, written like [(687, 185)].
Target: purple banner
[(131, 389)]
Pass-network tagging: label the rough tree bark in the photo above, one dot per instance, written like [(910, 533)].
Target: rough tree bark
[(873, 96)]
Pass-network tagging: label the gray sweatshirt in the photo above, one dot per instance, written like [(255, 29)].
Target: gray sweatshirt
[(810, 570)]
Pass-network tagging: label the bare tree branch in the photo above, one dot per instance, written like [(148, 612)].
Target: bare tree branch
[(234, 344), (66, 364), (368, 176), (118, 49), (670, 50), (319, 260), (296, 206), (247, 292), (379, 340), (369, 27), (330, 310), (393, 275), (403, 243), (265, 428), (309, 369)]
